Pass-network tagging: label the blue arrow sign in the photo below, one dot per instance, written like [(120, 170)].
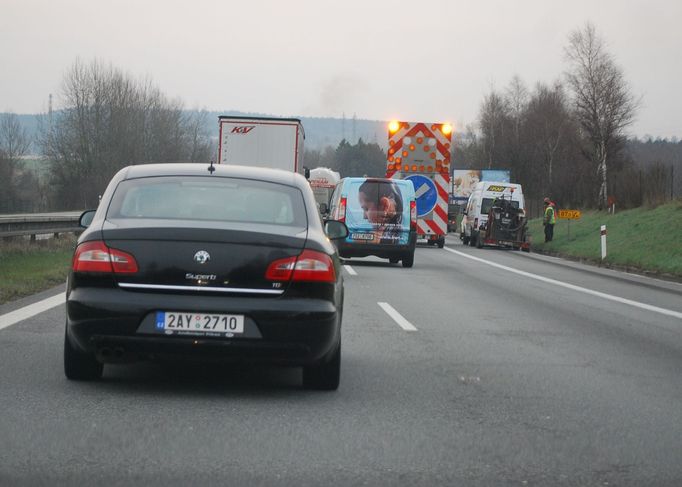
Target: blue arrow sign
[(426, 194)]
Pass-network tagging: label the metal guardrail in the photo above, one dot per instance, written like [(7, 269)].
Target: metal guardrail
[(39, 223)]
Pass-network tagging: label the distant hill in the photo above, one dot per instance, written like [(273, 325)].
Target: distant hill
[(320, 132)]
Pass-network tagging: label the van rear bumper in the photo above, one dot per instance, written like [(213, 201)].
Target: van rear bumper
[(385, 251)]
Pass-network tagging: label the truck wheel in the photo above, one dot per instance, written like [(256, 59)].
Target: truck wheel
[(441, 242), (408, 260), (79, 365), (325, 376)]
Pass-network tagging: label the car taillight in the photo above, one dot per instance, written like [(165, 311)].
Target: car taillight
[(342, 210), (310, 266), (475, 223), (413, 215), (97, 257)]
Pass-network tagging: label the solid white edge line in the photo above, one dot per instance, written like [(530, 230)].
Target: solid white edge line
[(26, 312), (397, 317), (610, 297), (350, 270)]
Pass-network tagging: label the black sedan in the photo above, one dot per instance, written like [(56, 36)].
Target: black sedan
[(222, 263)]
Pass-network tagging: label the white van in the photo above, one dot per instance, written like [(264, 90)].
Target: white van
[(479, 204)]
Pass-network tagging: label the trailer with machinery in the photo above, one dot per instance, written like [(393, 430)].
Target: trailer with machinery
[(506, 226)]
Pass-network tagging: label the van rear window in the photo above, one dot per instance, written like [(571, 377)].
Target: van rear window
[(488, 203)]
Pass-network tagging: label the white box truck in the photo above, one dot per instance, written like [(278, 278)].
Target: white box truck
[(261, 142)]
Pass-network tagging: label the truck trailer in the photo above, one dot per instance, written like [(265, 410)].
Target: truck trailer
[(261, 142), (420, 152)]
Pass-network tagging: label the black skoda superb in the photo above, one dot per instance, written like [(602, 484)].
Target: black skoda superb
[(222, 263)]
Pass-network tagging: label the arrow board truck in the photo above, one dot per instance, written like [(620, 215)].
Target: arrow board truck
[(261, 142), (420, 152)]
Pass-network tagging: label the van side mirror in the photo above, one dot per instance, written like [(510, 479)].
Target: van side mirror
[(335, 230), (306, 172), (86, 218)]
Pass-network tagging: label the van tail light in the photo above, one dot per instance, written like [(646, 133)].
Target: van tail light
[(310, 266), (413, 215), (95, 256), (342, 210), (475, 223)]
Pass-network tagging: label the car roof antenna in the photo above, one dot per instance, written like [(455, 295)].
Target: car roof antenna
[(211, 168)]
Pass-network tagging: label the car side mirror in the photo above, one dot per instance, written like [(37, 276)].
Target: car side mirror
[(335, 230), (86, 218), (324, 209)]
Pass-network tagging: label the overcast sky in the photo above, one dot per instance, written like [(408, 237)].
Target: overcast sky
[(427, 61)]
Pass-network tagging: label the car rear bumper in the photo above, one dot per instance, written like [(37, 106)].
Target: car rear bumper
[(110, 324), (385, 251)]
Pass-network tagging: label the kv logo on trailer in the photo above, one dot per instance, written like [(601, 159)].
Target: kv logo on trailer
[(243, 129), (426, 194)]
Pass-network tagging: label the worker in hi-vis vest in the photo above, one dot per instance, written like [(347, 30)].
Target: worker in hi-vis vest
[(548, 220)]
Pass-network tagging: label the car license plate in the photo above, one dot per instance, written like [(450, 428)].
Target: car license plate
[(186, 323), (362, 236)]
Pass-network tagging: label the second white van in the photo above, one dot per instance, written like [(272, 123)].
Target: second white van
[(481, 200)]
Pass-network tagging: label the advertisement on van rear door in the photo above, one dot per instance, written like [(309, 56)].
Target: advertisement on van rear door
[(377, 213)]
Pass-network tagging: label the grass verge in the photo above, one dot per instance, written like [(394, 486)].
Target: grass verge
[(30, 267), (642, 239)]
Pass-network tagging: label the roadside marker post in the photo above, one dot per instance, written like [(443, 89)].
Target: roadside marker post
[(603, 241)]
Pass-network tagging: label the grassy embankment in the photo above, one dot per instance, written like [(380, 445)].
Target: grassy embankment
[(29, 267), (641, 239)]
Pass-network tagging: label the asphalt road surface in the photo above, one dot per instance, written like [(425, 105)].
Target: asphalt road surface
[(531, 371)]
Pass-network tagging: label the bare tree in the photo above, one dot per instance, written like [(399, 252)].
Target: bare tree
[(14, 143), (604, 105), (494, 115), (109, 120)]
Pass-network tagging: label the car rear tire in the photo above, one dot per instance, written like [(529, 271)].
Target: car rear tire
[(408, 260), (325, 376), (79, 365)]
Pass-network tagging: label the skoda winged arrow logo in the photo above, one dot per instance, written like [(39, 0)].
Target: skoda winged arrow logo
[(202, 257)]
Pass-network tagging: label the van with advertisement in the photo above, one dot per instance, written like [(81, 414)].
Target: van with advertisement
[(479, 204), (381, 216)]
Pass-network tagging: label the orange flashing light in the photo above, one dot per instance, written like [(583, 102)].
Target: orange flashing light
[(429, 169), (411, 147), (405, 153), (446, 128), (427, 148), (433, 155), (390, 159), (398, 160), (414, 167), (421, 168), (406, 167), (393, 126), (420, 140)]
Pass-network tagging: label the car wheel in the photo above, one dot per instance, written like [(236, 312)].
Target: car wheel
[(79, 365), (408, 260), (325, 376), (394, 260)]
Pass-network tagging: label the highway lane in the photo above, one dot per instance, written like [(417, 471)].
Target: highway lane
[(506, 381)]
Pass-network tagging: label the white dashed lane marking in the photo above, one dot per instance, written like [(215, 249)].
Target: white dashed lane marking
[(397, 317), (31, 310)]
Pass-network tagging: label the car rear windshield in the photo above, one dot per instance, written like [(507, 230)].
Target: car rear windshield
[(208, 198), (488, 203)]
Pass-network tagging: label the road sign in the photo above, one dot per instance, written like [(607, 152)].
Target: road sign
[(425, 192), (570, 214)]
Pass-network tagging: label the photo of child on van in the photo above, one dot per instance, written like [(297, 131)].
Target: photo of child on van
[(382, 206)]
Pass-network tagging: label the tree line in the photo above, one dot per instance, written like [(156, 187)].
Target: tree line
[(107, 120), (568, 139)]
